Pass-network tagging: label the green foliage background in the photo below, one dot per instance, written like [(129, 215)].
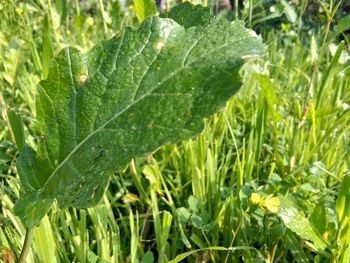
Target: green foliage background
[(286, 134)]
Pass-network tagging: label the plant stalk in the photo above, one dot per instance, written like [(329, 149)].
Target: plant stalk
[(250, 12), (26, 245), (235, 234), (236, 9)]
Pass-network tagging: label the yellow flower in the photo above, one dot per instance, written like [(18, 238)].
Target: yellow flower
[(271, 203), (89, 21), (255, 198), (130, 198), (19, 11)]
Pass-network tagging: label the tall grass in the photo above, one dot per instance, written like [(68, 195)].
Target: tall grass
[(286, 132)]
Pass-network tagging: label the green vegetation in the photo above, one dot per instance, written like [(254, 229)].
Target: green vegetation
[(267, 181), (123, 99)]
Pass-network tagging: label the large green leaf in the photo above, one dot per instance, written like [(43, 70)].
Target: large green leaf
[(296, 221), (144, 8), (125, 98), (189, 15)]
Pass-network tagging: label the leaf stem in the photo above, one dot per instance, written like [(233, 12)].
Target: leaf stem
[(26, 245), (235, 233)]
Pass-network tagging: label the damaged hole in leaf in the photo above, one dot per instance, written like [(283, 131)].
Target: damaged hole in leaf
[(94, 190), (99, 156)]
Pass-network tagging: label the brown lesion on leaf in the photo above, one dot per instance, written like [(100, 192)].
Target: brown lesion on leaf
[(150, 125), (7, 255), (82, 78), (131, 116)]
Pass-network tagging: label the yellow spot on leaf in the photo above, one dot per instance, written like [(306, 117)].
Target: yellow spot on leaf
[(160, 45), (82, 78)]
